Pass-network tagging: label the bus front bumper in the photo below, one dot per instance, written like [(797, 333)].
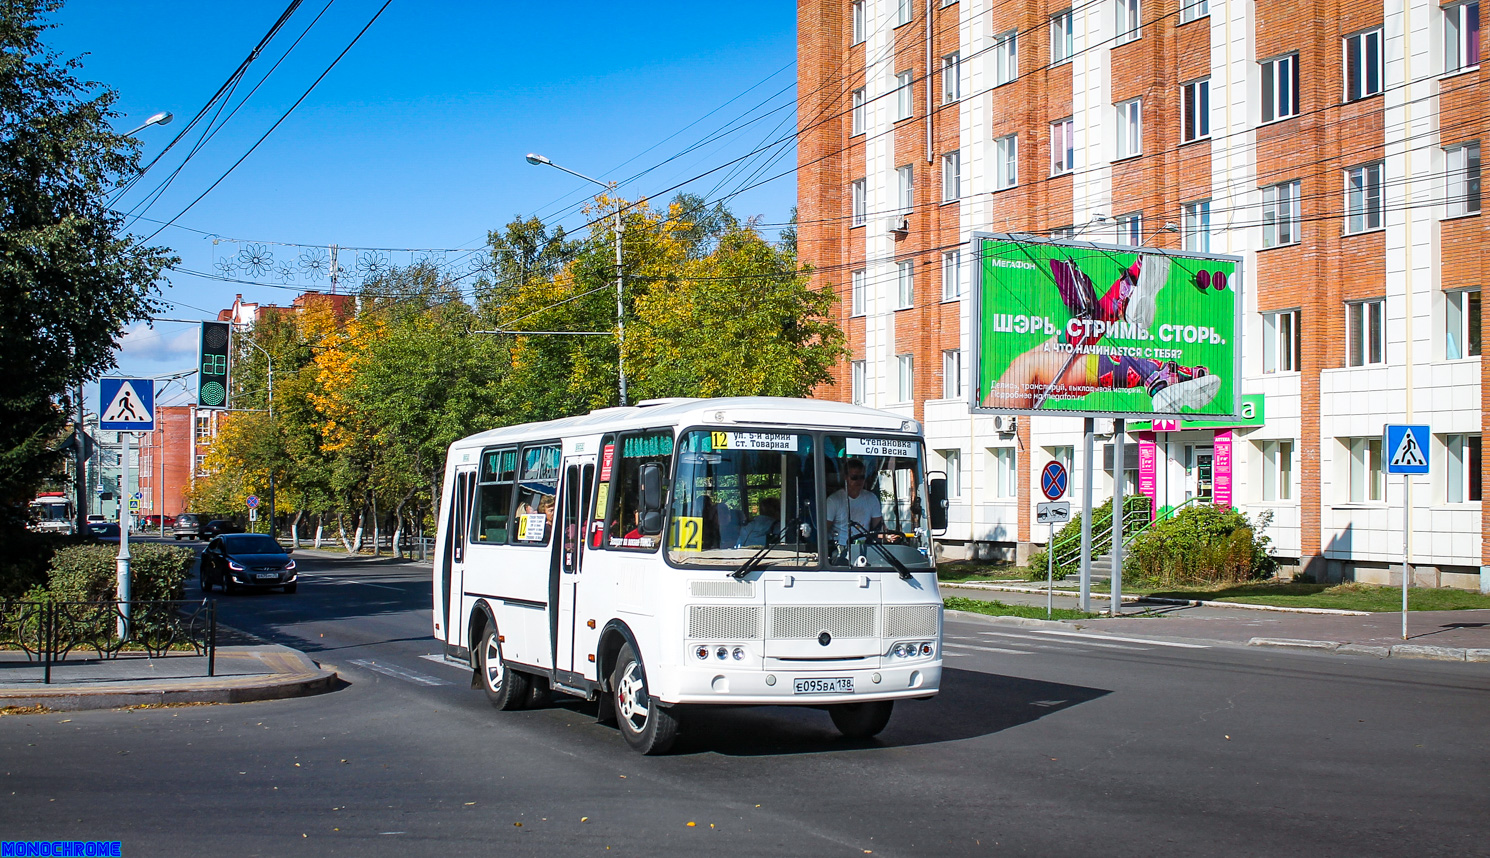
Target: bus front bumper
[(803, 687)]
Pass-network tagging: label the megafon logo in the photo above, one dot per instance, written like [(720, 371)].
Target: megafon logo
[(1206, 279)]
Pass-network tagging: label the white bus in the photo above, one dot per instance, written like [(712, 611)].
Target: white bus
[(695, 551), (53, 512)]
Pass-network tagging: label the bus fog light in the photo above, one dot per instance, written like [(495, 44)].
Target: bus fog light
[(926, 649), (875, 678), (770, 679), (702, 652), (739, 653), (722, 653)]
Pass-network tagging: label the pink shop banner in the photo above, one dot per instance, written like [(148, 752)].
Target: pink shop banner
[(1223, 469)]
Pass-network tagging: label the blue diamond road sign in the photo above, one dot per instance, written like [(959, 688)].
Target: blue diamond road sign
[(1406, 448), (126, 404)]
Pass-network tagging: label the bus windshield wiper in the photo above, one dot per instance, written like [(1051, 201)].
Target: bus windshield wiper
[(888, 555), (756, 559)]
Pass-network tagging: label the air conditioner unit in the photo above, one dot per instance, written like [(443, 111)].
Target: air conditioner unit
[(1006, 424), (900, 224)]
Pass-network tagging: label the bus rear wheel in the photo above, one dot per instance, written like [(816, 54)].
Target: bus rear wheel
[(647, 726), (505, 688), (861, 720)]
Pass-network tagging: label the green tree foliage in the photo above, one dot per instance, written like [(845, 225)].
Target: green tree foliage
[(69, 281)]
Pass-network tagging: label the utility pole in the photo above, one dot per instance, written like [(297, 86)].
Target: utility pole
[(80, 486)]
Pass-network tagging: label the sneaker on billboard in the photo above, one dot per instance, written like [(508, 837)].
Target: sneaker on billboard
[(1193, 394), (1144, 297)]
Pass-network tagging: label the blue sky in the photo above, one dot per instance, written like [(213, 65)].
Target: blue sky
[(416, 138)]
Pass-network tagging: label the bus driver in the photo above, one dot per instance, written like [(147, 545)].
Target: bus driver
[(851, 511)]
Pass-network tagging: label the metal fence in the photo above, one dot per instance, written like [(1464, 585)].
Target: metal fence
[(48, 631)]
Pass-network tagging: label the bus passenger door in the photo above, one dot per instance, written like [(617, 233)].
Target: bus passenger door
[(453, 559), (569, 639)]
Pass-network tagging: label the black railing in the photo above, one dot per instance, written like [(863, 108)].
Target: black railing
[(49, 631)]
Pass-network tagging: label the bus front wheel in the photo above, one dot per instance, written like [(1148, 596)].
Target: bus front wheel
[(505, 688), (861, 720), (648, 727)]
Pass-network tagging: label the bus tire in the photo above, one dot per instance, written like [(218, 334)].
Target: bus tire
[(861, 720), (647, 727), (505, 688)]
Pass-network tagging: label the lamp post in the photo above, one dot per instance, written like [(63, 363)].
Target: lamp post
[(269, 359), (620, 281), (162, 118)]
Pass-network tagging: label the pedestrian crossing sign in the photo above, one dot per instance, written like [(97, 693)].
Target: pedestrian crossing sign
[(126, 404), (1406, 447)]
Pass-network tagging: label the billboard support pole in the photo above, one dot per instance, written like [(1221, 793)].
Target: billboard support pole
[(1119, 474), (1089, 441)]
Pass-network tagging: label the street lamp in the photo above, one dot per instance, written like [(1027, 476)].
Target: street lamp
[(620, 281), (270, 360), (162, 118)]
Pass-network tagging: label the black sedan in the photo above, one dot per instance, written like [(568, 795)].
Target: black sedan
[(246, 560), (104, 531), (217, 527)]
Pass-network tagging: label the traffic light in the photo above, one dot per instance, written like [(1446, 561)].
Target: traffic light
[(212, 368)]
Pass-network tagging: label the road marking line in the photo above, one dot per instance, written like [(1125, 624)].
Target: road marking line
[(398, 672), (1086, 636), (440, 659), (1030, 642), (988, 649)]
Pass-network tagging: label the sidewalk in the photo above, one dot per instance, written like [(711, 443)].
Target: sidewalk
[(1439, 635), (244, 673)]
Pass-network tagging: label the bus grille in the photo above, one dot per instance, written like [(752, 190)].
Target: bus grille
[(807, 621), (722, 589), (910, 621), (728, 622)]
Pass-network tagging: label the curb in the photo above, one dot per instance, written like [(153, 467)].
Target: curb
[(1194, 603), (1436, 653), (1013, 621), (306, 678)]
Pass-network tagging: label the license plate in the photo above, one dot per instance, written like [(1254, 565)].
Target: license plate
[(831, 685), (267, 576)]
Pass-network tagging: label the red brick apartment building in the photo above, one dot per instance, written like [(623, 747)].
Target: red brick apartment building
[(1335, 147)]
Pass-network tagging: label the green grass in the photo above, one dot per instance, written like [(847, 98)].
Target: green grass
[(975, 570), (1350, 597), (1000, 609)]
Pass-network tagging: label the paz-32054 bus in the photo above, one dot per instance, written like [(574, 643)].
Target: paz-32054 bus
[(695, 551)]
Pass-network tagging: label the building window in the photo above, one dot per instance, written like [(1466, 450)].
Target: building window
[(952, 176), (952, 461), (1063, 233), (905, 377), (905, 188), (952, 275), (858, 293), (951, 77), (1281, 344), (1363, 198), (905, 285), (1004, 477), (1462, 179), (858, 14), (1125, 20), (856, 382), (952, 373), (1062, 37), (1197, 226), (1462, 324), (1462, 468), (903, 103), (1197, 109), (201, 464), (903, 12), (1006, 162), (860, 203), (1129, 229), (1062, 146), (1280, 88), (1005, 57), (1192, 10), (1365, 470), (1364, 345), (1277, 470), (1129, 128), (204, 427), (860, 111), (1461, 36), (1280, 214), (1363, 69)]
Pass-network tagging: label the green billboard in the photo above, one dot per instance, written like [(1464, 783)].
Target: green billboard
[(1102, 330)]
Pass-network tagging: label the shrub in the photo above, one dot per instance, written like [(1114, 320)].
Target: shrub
[(86, 573), (1203, 545), (1068, 538)]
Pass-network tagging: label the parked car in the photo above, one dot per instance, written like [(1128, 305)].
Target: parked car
[(104, 531), (96, 517), (236, 560), (188, 526), (219, 526)]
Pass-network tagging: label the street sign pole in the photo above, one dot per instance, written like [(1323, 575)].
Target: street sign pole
[(1406, 536), (121, 563), (1050, 572), (1406, 448)]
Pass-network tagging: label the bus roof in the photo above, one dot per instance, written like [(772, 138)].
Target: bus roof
[(745, 411)]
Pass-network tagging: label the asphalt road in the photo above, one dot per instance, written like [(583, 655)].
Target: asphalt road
[(1040, 744)]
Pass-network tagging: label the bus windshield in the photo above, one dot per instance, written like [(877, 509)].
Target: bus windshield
[(742, 494), (873, 515)]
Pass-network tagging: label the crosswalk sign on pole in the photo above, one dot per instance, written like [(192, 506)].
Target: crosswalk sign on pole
[(126, 404), (1406, 448)]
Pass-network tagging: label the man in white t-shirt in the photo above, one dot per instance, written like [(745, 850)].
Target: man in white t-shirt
[(852, 504)]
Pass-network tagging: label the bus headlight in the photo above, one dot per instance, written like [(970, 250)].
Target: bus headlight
[(702, 652), (722, 653), (739, 653)]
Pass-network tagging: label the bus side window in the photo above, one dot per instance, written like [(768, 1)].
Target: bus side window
[(624, 524), (494, 496), (601, 508)]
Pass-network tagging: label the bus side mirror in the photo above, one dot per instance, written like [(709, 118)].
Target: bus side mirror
[(651, 499), (938, 493)]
